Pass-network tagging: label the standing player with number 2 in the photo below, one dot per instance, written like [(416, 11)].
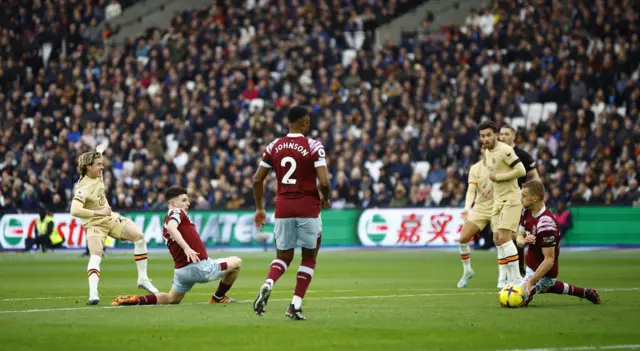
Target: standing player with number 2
[(298, 161)]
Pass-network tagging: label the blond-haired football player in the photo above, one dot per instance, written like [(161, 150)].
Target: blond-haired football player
[(479, 195), (90, 205), (504, 170)]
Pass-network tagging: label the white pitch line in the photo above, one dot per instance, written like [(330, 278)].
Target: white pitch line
[(584, 348), (251, 292), (313, 291), (247, 301), (42, 298)]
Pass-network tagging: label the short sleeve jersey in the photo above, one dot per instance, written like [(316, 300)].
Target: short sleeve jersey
[(501, 160)]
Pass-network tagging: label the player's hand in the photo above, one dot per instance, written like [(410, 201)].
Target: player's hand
[(464, 215), (259, 218), (105, 211), (527, 288), (530, 239), (487, 191), (192, 256), (493, 177), (325, 203)]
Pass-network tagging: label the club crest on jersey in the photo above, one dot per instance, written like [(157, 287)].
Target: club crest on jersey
[(493, 160)]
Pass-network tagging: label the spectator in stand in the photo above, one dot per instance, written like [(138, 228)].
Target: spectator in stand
[(197, 99), (563, 215)]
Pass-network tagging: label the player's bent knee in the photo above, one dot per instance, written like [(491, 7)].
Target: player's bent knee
[(131, 233), (175, 297), (233, 263), (96, 252)]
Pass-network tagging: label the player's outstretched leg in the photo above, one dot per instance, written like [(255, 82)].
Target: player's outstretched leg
[(562, 288), (132, 233), (172, 297), (231, 266), (276, 270), (468, 231)]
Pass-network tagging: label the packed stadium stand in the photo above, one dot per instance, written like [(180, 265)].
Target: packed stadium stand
[(195, 102)]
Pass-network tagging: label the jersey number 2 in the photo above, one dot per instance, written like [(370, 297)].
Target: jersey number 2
[(287, 176)]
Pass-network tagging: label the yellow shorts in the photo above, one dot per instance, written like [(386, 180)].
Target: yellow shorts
[(506, 216), (112, 227), (480, 219)]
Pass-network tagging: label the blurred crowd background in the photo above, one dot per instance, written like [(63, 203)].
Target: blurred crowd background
[(195, 102)]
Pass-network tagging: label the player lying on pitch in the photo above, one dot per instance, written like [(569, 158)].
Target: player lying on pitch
[(540, 230), (192, 265)]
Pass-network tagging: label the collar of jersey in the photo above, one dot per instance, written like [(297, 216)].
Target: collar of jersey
[(536, 215), (295, 135)]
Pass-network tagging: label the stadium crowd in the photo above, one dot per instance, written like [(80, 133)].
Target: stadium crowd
[(195, 103)]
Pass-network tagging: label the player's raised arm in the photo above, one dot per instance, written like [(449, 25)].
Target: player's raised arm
[(172, 229)]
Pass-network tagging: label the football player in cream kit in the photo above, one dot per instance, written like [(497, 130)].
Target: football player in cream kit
[(479, 195), (504, 170), (90, 206)]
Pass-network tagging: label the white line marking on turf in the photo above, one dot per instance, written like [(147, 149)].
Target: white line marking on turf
[(585, 348), (316, 291), (244, 301), (309, 298), (251, 292), (42, 298)]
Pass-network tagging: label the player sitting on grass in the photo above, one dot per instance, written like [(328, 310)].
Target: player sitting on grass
[(192, 265), (539, 230)]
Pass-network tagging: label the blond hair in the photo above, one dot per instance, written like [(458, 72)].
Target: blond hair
[(87, 159)]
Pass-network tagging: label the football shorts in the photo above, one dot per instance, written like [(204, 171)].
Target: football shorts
[(479, 218), (291, 232), (506, 216), (201, 272), (112, 226)]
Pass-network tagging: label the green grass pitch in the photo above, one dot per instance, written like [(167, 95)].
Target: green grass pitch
[(358, 300)]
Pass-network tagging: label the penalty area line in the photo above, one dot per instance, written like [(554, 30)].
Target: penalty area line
[(584, 348)]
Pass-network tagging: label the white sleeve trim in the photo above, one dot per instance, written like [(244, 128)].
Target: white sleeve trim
[(264, 164), (175, 215), (320, 163), (522, 229)]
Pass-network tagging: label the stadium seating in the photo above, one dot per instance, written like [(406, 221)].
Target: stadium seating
[(196, 102)]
